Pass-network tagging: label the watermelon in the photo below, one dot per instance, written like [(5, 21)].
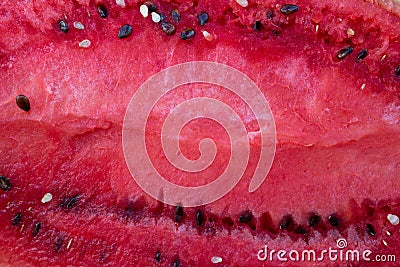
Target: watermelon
[(329, 73)]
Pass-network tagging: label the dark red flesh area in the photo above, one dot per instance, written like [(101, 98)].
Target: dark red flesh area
[(337, 122)]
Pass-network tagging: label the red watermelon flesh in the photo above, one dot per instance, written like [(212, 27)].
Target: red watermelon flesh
[(337, 125)]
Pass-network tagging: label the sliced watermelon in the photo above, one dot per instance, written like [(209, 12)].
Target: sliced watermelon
[(334, 178)]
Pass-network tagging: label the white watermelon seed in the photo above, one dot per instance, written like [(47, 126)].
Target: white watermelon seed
[(393, 219), (317, 28), (155, 17), (144, 10), (383, 57), (121, 3), (363, 86), (69, 243), (85, 43), (242, 3), (47, 198), (216, 259), (350, 32), (384, 242), (78, 25), (208, 36), (388, 233)]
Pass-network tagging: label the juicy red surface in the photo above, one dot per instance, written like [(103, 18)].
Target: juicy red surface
[(337, 151)]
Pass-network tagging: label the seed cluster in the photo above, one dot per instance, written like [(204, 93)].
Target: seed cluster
[(168, 28), (149, 8)]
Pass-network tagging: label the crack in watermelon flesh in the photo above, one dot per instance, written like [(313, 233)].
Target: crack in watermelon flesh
[(337, 121)]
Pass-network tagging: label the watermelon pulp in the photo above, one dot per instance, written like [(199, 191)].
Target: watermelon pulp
[(337, 150)]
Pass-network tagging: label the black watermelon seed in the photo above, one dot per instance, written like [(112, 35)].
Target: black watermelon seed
[(289, 9), (63, 26), (16, 219), (178, 214), (300, 230), (246, 217), (313, 220), (286, 222), (162, 17), (69, 202), (176, 16), (59, 242), (5, 183), (334, 220), (168, 28), (102, 10), (158, 256), (125, 31), (23, 102), (397, 71), (270, 14), (275, 32), (257, 25), (199, 218), (187, 33), (370, 229), (344, 52), (176, 263), (150, 6), (36, 229), (363, 54), (202, 18)]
